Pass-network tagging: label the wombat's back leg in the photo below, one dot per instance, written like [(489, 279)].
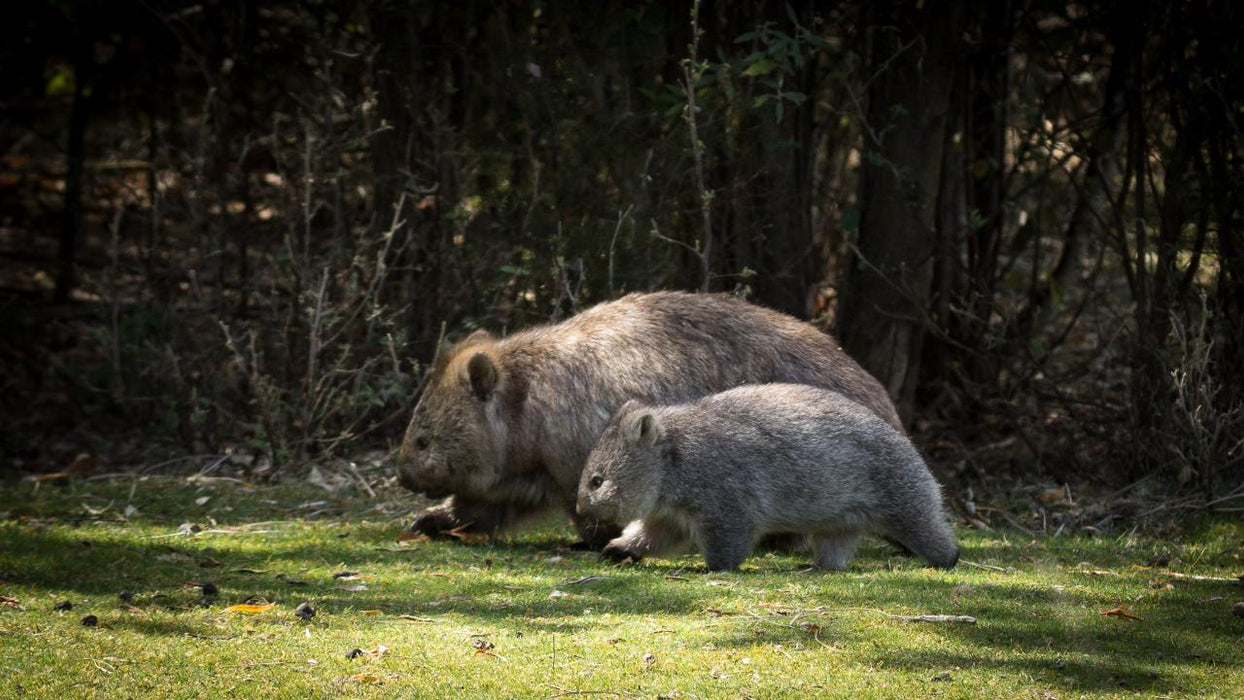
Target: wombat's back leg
[(833, 550)]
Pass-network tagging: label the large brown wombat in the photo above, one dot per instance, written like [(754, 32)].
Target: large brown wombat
[(505, 426)]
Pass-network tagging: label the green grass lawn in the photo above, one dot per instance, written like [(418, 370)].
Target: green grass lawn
[(662, 628)]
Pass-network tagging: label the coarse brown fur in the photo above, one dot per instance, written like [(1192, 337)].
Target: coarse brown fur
[(505, 425)]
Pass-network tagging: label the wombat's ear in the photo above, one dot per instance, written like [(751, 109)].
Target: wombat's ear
[(478, 337), (647, 430), (482, 373), (627, 407)]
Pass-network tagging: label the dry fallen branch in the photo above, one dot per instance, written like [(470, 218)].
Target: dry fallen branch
[(962, 619), (1237, 581)]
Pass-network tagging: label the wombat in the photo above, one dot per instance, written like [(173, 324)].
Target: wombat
[(733, 467), (505, 426)]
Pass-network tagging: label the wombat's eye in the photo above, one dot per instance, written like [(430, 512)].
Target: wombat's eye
[(422, 442), (596, 482)]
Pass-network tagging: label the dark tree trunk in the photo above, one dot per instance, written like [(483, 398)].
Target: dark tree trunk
[(71, 217), (913, 58)]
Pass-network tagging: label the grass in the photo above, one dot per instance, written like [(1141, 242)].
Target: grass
[(663, 628)]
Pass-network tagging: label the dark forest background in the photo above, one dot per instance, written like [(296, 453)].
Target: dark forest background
[(242, 227)]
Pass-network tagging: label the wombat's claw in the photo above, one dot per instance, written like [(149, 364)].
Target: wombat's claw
[(433, 525), (621, 555)]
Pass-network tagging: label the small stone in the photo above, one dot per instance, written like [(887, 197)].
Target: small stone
[(304, 611), (90, 621), (650, 659), (63, 605)]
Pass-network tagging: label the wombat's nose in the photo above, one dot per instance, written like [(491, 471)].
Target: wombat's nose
[(407, 480)]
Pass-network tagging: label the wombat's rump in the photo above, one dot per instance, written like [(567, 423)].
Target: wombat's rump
[(733, 467), (506, 425)]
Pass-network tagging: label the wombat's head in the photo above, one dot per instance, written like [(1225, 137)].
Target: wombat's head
[(623, 474), (455, 442)]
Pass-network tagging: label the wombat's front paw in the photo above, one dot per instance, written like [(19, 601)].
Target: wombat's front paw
[(620, 553), (434, 523)]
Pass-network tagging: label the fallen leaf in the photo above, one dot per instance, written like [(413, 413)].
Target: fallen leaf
[(353, 589), (558, 594), (83, 464), (347, 575), (461, 533), (1056, 496), (408, 536), (365, 678), (250, 609), (209, 562), (10, 602), (1098, 572), (1121, 612), (482, 645), (201, 500), (131, 609), (130, 511), (51, 477), (371, 613), (250, 571)]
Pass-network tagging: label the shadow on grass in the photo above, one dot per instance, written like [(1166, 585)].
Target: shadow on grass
[(1054, 633)]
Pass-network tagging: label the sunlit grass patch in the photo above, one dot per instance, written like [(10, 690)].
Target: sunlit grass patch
[(530, 617)]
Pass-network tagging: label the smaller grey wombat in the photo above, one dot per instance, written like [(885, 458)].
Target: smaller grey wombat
[(761, 459)]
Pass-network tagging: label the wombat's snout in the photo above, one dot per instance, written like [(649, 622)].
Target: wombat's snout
[(406, 478)]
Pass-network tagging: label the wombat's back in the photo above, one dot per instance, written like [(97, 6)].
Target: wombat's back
[(809, 460), (669, 347)]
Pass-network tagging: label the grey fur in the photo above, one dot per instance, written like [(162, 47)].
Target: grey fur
[(506, 425), (730, 468)]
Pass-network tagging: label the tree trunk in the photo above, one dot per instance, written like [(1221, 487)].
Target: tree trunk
[(71, 216), (913, 54)]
